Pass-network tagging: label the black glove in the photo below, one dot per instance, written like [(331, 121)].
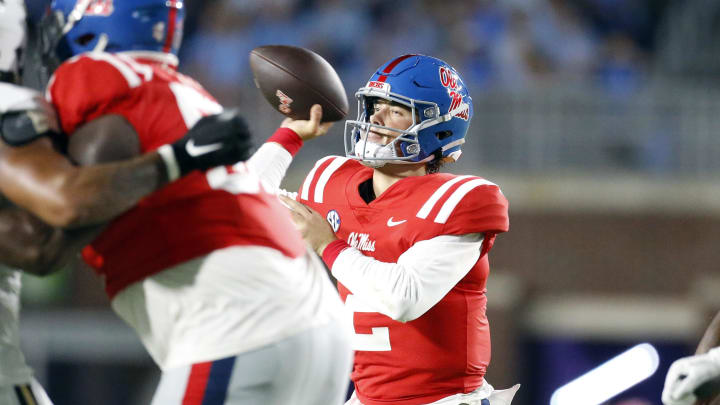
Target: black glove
[(215, 140)]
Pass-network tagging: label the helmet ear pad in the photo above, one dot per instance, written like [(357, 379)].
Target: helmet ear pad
[(428, 144)]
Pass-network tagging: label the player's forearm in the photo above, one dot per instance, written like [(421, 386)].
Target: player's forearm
[(99, 193), (69, 196), (26, 242), (271, 161), (711, 338)]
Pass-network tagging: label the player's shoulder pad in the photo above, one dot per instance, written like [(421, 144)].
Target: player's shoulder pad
[(24, 115), (89, 81), (325, 170), (465, 204), (100, 71)]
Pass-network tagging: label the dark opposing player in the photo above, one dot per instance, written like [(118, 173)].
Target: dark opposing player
[(22, 237)]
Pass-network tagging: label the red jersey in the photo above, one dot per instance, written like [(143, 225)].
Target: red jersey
[(187, 218), (446, 350)]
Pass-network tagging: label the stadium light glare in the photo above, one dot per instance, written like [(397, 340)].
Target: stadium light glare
[(610, 378)]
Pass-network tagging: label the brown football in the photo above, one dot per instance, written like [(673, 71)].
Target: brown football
[(292, 79)]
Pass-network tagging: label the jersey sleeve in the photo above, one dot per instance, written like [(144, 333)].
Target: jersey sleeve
[(271, 161), (476, 206), (88, 86), (422, 276)]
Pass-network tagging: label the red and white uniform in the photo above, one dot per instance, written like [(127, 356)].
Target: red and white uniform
[(205, 267), (414, 274)]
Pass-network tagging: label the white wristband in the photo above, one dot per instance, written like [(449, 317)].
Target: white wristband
[(171, 164)]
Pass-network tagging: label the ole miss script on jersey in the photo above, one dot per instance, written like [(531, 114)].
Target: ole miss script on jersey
[(187, 218), (447, 349)]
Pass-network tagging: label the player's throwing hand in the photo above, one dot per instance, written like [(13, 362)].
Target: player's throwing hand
[(309, 129), (687, 374), (215, 140)]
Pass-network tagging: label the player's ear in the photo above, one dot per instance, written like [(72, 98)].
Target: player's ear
[(109, 138)]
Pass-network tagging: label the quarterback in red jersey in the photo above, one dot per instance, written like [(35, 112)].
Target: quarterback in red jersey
[(208, 270), (407, 245)]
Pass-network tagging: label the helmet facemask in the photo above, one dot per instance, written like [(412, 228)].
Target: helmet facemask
[(405, 147)]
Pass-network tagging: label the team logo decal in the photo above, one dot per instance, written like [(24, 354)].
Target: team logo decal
[(102, 8), (333, 219), (449, 80), (381, 86), (285, 102), (361, 241)]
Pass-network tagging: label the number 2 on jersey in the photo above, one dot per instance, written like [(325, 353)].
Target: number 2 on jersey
[(378, 340)]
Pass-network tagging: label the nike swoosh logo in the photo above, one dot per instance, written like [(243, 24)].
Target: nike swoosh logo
[(390, 222), (195, 151)]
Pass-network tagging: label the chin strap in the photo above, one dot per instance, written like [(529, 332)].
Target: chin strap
[(102, 43)]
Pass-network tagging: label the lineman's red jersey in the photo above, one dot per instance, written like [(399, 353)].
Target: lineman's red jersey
[(185, 219), (447, 349)]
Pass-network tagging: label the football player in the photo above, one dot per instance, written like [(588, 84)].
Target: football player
[(208, 270), (22, 237), (408, 245), (696, 376)]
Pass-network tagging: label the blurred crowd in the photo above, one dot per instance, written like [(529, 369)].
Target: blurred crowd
[(495, 44)]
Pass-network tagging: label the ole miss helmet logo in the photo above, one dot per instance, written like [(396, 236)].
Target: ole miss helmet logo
[(102, 8), (458, 107)]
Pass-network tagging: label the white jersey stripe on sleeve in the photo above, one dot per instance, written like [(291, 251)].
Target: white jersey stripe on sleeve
[(325, 176), (305, 191), (456, 196), (430, 203), (132, 78)]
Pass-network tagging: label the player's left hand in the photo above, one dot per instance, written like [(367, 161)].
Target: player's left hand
[(687, 374), (215, 140), (312, 226)]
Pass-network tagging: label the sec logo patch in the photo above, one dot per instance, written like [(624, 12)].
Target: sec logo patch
[(333, 219)]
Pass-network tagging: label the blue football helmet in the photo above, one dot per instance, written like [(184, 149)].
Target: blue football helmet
[(76, 26), (441, 108)]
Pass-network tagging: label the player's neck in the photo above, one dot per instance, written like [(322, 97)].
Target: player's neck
[(386, 176)]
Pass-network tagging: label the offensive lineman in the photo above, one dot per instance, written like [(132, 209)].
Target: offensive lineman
[(207, 270), (26, 125)]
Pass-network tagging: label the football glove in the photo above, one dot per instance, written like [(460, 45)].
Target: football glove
[(216, 140), (687, 376)]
